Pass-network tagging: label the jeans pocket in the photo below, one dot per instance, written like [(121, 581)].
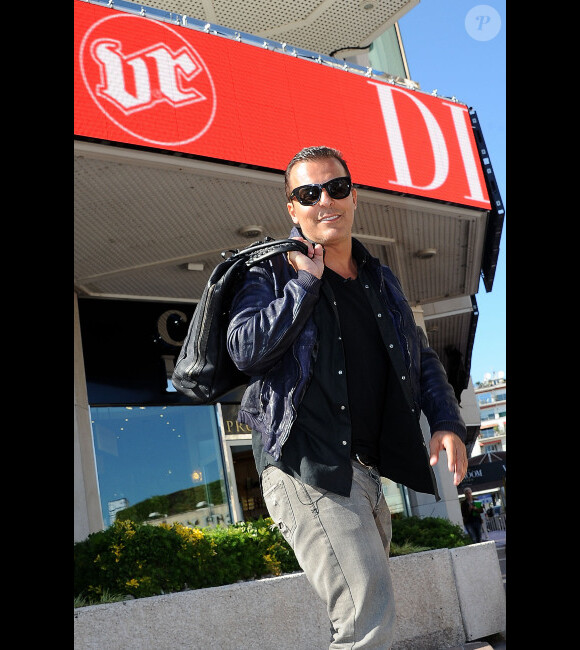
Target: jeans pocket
[(279, 506)]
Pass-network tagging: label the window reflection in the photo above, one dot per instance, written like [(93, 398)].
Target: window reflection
[(160, 464)]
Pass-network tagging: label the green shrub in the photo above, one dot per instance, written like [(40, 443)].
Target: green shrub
[(139, 560), (143, 560), (428, 533)]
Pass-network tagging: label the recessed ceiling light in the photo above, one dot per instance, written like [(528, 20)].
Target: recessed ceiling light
[(426, 253), (250, 231)]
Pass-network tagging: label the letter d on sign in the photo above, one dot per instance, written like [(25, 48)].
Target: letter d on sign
[(401, 165)]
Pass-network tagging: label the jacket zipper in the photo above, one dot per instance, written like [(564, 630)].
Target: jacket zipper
[(199, 363)]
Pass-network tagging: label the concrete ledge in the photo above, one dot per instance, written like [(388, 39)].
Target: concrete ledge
[(232, 617), (426, 601), (443, 598), (478, 578)]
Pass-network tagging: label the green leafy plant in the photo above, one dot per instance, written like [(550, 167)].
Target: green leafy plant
[(105, 597), (428, 533), (143, 560), (132, 559)]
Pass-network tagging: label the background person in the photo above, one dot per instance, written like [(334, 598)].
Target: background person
[(471, 516)]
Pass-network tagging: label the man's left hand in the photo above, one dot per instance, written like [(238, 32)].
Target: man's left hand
[(456, 453)]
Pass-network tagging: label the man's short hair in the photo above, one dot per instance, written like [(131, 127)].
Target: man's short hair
[(312, 153)]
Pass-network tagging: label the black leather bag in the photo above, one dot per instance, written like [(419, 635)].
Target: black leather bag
[(204, 370)]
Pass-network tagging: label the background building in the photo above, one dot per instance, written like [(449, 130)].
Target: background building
[(491, 395), (186, 115), (486, 474)]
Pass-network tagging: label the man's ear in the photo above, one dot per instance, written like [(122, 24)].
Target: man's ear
[(292, 213)]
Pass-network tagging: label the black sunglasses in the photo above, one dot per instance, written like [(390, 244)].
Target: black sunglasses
[(337, 188)]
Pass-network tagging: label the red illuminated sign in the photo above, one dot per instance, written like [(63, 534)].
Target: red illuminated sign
[(154, 84)]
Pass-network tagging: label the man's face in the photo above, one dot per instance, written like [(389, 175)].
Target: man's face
[(330, 220)]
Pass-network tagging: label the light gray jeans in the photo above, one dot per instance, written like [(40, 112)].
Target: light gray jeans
[(342, 544)]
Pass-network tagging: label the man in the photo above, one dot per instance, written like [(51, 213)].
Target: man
[(339, 375), (471, 516)]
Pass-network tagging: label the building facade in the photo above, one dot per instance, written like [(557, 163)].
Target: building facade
[(183, 127), (491, 395), (486, 473)]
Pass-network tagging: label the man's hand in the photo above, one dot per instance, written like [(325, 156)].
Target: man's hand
[(313, 262), (456, 453)]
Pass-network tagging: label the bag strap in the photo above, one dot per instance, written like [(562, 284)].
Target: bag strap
[(263, 250)]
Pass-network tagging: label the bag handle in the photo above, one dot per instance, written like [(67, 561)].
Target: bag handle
[(265, 249)]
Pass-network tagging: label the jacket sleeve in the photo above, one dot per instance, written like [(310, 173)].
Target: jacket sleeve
[(265, 319), (438, 400)]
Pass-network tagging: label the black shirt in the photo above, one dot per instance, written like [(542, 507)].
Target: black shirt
[(341, 411), (366, 360)]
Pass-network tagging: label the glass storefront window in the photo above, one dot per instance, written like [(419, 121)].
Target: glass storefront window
[(395, 497), (160, 464)]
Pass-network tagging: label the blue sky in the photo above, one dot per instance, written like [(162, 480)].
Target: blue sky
[(458, 48)]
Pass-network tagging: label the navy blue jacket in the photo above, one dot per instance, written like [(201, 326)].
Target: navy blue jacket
[(272, 337)]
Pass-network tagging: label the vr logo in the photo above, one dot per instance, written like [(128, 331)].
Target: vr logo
[(147, 79), (120, 72)]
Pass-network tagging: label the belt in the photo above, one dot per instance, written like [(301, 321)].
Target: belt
[(364, 460)]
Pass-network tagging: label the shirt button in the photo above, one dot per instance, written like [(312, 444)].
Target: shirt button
[(403, 378), (340, 372), (390, 345), (379, 315), (366, 286), (344, 442), (342, 407)]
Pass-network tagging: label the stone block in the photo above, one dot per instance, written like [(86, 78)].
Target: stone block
[(480, 589), (282, 613), (428, 613)]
